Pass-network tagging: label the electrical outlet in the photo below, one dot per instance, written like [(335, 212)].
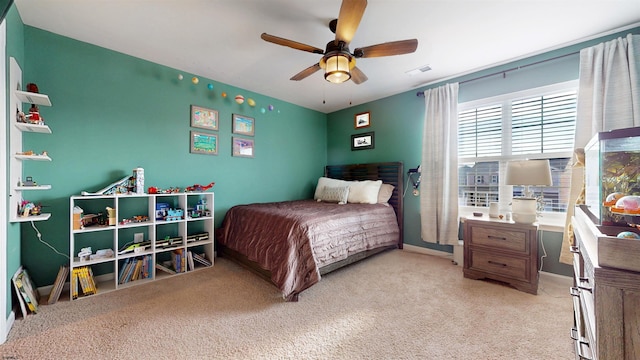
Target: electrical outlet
[(138, 237)]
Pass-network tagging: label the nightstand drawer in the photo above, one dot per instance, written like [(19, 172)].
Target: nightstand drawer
[(507, 266), (497, 238)]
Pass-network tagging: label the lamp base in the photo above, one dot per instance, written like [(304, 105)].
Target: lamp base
[(524, 218)]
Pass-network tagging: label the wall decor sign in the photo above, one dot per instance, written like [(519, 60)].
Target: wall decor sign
[(362, 141), (242, 147), (362, 120), (243, 125), (203, 143), (204, 118)]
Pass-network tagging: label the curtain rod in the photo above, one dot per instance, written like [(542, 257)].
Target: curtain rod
[(504, 72)]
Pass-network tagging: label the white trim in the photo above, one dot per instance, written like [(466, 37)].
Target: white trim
[(5, 323), (539, 91)]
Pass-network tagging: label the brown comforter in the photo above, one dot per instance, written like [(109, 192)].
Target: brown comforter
[(293, 239)]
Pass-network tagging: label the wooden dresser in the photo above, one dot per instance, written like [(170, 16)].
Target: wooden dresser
[(606, 299), (502, 250)]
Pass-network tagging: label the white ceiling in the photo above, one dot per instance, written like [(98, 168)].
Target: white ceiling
[(220, 39)]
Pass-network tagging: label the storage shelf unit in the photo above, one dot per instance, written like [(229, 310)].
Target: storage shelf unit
[(16, 161), (196, 234)]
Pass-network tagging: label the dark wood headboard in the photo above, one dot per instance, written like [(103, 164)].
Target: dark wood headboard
[(389, 172)]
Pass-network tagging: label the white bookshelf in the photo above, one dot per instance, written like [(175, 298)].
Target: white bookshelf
[(107, 271)]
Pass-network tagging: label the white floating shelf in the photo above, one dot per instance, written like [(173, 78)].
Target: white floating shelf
[(33, 157), (41, 217), (33, 128), (37, 187), (33, 98)]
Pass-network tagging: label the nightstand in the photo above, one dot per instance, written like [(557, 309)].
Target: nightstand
[(502, 250)]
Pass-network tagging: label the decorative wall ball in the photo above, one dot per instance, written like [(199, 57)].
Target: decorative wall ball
[(195, 80), (210, 86), (239, 99), (224, 94), (270, 107), (263, 110), (180, 77), (251, 102), (628, 235)]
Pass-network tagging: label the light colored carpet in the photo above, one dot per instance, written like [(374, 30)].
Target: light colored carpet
[(397, 305)]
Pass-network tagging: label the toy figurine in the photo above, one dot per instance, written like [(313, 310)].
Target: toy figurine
[(198, 187)]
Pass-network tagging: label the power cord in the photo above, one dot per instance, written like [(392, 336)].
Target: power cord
[(44, 242)]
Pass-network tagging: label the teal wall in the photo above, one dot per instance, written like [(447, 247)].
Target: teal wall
[(397, 122), (112, 112), (15, 48)]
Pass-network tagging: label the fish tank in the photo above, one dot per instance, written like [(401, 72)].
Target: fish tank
[(612, 177)]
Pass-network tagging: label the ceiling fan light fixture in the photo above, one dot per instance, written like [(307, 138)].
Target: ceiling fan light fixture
[(337, 68)]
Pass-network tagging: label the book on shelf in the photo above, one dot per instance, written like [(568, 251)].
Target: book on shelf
[(165, 269), (190, 260), (58, 285), (202, 259), (84, 277)]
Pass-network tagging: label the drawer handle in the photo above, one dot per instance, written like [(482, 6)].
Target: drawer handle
[(496, 237), (496, 263), (586, 288), (583, 279), (575, 337), (574, 291), (574, 249)]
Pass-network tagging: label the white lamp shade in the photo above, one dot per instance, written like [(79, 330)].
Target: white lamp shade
[(528, 172)]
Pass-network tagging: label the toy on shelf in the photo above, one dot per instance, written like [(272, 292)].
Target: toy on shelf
[(135, 219), (27, 208), (200, 210), (174, 215), (199, 188), (157, 190)]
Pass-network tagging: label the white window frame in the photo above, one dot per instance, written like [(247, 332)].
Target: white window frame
[(548, 220)]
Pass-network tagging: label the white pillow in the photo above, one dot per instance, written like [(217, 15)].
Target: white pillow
[(325, 181), (338, 194), (364, 192)]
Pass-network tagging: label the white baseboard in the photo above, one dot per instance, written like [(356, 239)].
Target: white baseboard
[(427, 251), (10, 320)]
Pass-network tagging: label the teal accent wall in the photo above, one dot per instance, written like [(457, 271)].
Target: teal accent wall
[(15, 48), (398, 124), (112, 112)]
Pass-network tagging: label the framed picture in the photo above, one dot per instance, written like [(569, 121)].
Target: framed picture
[(204, 118), (243, 125), (362, 141), (242, 147), (203, 143), (362, 120)]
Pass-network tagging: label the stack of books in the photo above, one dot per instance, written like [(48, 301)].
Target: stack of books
[(82, 279), (135, 268)]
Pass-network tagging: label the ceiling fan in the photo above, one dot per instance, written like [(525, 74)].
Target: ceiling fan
[(338, 63)]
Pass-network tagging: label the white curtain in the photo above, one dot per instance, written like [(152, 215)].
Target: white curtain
[(439, 186), (608, 98)]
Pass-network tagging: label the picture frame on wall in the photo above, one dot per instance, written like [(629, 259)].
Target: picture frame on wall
[(362, 120), (243, 125), (204, 143), (204, 118), (242, 147), (363, 141)]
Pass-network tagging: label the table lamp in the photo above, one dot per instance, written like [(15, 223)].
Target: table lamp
[(527, 173)]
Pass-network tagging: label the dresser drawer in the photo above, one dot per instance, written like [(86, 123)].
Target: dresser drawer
[(502, 265), (498, 238)]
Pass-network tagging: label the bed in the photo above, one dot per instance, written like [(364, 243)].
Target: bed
[(293, 243)]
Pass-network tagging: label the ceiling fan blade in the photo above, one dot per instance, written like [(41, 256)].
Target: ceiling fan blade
[(290, 43), (306, 72), (387, 49), (349, 18), (357, 76)]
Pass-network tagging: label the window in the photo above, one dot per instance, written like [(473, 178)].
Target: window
[(533, 124)]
